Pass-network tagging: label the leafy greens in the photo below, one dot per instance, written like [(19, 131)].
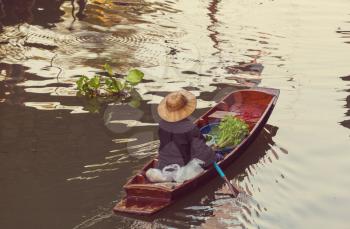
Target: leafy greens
[(231, 131)]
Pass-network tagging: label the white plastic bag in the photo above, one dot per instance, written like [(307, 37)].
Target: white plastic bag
[(176, 173), (189, 171), (156, 175), (170, 171)]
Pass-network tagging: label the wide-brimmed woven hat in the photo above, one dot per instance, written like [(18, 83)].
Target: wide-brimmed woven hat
[(177, 106)]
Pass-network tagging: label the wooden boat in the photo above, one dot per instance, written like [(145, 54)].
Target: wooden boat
[(252, 105)]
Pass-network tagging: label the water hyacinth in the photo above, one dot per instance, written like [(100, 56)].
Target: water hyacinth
[(109, 85)]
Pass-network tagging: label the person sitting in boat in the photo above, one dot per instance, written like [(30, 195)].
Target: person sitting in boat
[(180, 139)]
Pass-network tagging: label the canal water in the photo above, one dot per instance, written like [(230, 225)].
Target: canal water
[(64, 159)]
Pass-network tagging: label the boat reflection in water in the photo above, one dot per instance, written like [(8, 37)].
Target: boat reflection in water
[(36, 12), (346, 123)]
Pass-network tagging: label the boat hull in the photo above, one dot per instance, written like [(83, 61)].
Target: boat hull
[(253, 105)]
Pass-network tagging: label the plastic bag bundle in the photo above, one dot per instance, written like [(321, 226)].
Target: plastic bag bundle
[(156, 175), (187, 172), (171, 171), (176, 173)]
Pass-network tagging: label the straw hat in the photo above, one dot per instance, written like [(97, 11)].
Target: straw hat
[(177, 106)]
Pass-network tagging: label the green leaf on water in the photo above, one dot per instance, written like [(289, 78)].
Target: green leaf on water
[(120, 85), (108, 81), (81, 82), (108, 69), (107, 87), (112, 85), (134, 77), (94, 82)]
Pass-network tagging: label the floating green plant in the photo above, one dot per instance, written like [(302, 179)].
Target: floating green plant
[(107, 86)]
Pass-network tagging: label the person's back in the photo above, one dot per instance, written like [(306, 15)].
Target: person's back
[(180, 140)]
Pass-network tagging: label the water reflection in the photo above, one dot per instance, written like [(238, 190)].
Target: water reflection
[(105, 28), (213, 10), (98, 36), (346, 123), (51, 157), (2, 14), (345, 34), (11, 74), (247, 69), (36, 12)]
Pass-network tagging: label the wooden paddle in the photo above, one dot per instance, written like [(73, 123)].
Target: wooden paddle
[(234, 190)]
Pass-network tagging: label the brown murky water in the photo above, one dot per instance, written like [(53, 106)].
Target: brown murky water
[(63, 167)]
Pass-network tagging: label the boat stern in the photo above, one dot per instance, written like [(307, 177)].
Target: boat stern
[(140, 205), (145, 199)]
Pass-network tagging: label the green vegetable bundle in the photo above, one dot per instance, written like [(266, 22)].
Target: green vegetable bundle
[(232, 131)]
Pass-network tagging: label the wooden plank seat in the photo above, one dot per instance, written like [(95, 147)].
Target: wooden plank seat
[(222, 114)]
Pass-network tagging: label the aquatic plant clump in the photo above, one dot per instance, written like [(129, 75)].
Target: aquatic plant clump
[(105, 86), (231, 131)]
